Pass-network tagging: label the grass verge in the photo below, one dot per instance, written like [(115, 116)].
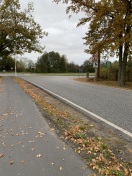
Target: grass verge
[(105, 83)]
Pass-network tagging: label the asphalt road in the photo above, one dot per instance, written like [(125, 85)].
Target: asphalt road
[(112, 104), (28, 147)]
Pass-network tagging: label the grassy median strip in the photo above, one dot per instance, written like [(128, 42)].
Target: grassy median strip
[(82, 134)]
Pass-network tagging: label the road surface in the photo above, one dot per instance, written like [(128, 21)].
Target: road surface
[(28, 147), (112, 104)]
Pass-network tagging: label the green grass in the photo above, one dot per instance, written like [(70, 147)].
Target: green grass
[(117, 173), (80, 136), (48, 74), (59, 74)]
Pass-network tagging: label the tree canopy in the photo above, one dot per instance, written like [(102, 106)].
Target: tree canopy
[(51, 62), (109, 29), (19, 32)]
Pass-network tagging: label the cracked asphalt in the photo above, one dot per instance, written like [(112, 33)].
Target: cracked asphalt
[(28, 146)]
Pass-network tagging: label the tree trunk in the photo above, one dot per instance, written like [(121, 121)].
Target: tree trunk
[(98, 71), (125, 55), (120, 66), (122, 81)]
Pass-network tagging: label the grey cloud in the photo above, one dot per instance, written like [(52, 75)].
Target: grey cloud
[(63, 36)]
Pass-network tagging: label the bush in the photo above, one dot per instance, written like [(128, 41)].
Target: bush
[(109, 73)]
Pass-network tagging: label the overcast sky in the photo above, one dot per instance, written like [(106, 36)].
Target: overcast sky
[(64, 37)]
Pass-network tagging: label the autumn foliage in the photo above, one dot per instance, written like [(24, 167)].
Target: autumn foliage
[(109, 28), (19, 32)]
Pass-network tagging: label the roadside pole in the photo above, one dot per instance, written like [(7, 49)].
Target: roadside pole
[(15, 69), (95, 78), (95, 65), (33, 68)]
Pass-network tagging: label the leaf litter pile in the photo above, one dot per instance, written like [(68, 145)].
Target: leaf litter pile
[(105, 151)]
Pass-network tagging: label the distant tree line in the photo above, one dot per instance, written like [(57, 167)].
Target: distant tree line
[(49, 62), (53, 62)]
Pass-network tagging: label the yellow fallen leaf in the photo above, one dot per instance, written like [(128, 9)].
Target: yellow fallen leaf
[(20, 142), (60, 168), (32, 149), (38, 156), (31, 141), (52, 129), (11, 162), (1, 155), (64, 148), (21, 161), (41, 133)]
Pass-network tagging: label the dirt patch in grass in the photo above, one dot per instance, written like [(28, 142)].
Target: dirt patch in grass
[(105, 150), (105, 83)]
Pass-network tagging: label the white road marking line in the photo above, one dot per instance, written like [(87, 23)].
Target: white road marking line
[(88, 112)]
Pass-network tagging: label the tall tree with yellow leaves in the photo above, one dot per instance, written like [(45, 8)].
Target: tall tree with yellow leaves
[(109, 28)]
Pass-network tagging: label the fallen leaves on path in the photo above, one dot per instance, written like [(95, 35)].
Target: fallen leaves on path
[(46, 105)]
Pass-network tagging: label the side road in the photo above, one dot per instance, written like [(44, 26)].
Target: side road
[(28, 146)]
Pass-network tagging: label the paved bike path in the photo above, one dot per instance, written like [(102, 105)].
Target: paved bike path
[(28, 147)]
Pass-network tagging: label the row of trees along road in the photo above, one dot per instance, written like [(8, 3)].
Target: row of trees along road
[(19, 33), (53, 62), (109, 28)]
